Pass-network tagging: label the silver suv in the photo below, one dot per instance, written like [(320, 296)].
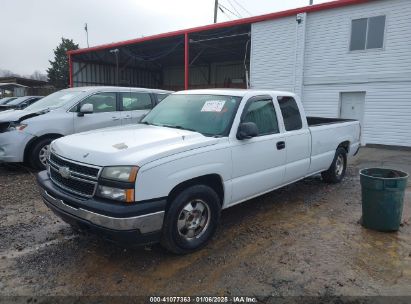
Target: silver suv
[(25, 135)]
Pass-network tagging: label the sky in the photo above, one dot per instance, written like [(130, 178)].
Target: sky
[(33, 28)]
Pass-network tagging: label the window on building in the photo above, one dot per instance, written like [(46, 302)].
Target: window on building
[(291, 113), (262, 113), (367, 33)]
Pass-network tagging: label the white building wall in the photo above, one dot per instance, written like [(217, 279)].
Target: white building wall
[(328, 68), (273, 54)]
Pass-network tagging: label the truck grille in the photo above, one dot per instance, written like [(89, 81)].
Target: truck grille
[(73, 177), (90, 171)]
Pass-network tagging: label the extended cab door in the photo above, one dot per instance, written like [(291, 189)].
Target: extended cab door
[(105, 112), (134, 106), (297, 139), (258, 162)]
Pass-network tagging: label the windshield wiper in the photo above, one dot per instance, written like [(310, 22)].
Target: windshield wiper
[(179, 127)]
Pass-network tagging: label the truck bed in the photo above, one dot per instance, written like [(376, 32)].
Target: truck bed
[(319, 121)]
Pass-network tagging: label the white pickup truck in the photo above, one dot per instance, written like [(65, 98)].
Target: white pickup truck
[(167, 178)]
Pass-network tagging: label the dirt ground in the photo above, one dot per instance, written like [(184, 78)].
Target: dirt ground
[(304, 239)]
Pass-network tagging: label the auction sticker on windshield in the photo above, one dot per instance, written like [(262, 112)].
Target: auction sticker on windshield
[(213, 106)]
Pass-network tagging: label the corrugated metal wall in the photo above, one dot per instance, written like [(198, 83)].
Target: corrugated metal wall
[(329, 68), (87, 74), (225, 74)]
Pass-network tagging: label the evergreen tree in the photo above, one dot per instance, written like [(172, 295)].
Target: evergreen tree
[(58, 73)]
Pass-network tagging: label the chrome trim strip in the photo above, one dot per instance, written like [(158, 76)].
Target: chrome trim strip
[(145, 223)]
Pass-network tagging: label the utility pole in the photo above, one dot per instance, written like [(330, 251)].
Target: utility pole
[(215, 10), (115, 52), (86, 29), (311, 2)]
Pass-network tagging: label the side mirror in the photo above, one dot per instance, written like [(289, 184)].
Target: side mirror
[(247, 130), (86, 108)]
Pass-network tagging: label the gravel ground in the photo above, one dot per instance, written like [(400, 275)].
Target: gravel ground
[(304, 239)]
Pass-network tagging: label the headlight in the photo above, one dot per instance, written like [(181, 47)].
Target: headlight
[(117, 183), (120, 173), (124, 195), (16, 126)]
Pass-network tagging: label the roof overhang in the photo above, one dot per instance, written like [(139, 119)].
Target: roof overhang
[(243, 21), (8, 86)]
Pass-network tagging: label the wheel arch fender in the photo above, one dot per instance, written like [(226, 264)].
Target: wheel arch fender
[(213, 180), (34, 140)]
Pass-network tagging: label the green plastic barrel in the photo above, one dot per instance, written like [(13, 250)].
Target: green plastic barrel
[(382, 193)]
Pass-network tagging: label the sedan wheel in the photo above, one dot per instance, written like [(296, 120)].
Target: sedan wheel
[(43, 154)]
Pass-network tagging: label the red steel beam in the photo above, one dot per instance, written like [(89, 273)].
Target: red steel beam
[(186, 61), (70, 70)]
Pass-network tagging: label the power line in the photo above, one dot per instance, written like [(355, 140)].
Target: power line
[(231, 4), (228, 16), (244, 9), (232, 13)]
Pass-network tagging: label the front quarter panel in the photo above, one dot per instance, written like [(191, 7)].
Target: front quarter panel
[(54, 122), (158, 180)]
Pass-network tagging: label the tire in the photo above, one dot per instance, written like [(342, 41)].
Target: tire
[(336, 172), (205, 207), (37, 153)]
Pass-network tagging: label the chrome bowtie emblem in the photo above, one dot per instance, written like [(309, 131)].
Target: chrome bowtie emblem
[(65, 172)]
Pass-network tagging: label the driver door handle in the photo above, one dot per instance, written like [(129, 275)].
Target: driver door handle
[(280, 145), (115, 118)]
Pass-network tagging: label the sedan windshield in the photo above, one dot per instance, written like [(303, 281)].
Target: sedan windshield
[(210, 115), (53, 101), (17, 101), (6, 100)]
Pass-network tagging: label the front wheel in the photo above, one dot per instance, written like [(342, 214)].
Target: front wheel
[(191, 220), (38, 153), (336, 172)]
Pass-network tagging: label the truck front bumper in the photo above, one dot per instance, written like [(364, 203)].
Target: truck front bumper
[(125, 228)]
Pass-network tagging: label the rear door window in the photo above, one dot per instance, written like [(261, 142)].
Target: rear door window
[(291, 113), (136, 101)]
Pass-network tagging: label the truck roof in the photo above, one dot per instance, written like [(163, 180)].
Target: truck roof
[(235, 92)]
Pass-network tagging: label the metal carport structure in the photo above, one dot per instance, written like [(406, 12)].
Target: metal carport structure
[(216, 55)]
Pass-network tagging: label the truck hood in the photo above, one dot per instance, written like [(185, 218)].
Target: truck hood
[(128, 145)]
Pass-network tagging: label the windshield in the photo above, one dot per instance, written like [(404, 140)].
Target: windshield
[(53, 101), (210, 115), (5, 100), (16, 101)]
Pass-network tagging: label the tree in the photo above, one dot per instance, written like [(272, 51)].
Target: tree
[(58, 73), (37, 75)]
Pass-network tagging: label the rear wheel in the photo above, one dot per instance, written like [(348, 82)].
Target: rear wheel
[(336, 172), (38, 153), (191, 220)]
